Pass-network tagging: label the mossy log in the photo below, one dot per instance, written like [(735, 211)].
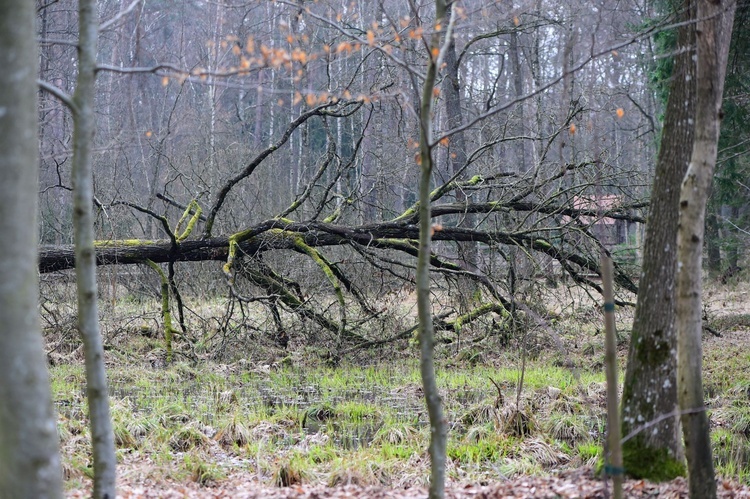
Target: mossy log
[(277, 234)]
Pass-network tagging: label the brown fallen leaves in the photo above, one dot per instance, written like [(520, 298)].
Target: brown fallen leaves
[(575, 484)]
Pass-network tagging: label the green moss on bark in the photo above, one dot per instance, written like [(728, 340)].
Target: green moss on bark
[(641, 461)]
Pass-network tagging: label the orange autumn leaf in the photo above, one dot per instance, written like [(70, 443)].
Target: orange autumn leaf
[(516, 21), (620, 112), (572, 129), (370, 38), (445, 141), (165, 81), (149, 133), (435, 52), (300, 56)]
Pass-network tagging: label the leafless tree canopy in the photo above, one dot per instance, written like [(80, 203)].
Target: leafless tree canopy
[(280, 139)]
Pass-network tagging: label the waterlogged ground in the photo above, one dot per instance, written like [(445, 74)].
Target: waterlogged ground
[(296, 428), (337, 425)]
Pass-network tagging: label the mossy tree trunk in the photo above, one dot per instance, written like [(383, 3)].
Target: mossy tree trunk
[(650, 386), (29, 456), (714, 29), (102, 437)]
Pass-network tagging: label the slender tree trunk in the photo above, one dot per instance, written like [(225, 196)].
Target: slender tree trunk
[(438, 427), (714, 30), (712, 243), (731, 237), (614, 449), (29, 457), (467, 251), (650, 386), (102, 438)]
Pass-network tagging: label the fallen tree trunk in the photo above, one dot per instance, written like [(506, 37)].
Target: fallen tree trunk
[(285, 235)]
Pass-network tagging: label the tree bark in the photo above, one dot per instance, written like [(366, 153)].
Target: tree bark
[(102, 437), (456, 150), (438, 425), (714, 32), (29, 457), (650, 386)]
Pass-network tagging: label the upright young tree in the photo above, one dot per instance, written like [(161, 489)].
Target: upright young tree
[(102, 437), (29, 458), (650, 386), (714, 30), (438, 426)]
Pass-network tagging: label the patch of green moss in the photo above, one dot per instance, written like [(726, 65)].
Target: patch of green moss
[(654, 349), (128, 242), (641, 461)]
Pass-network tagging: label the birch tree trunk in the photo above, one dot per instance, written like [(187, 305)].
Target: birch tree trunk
[(29, 457), (102, 437), (438, 427), (714, 32)]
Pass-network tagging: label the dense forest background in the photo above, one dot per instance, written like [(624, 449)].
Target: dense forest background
[(307, 115)]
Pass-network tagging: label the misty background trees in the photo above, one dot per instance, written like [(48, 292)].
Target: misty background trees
[(308, 115)]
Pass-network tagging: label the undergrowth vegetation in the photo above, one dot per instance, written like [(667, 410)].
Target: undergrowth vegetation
[(287, 416)]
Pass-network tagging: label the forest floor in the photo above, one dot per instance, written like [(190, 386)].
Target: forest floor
[(576, 484), (283, 426)]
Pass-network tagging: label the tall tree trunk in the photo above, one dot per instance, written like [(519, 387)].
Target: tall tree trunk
[(29, 457), (102, 438), (457, 157), (650, 386), (714, 32), (438, 428)]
